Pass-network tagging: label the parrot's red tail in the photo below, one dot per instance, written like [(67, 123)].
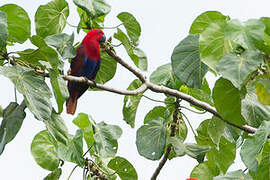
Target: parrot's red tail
[(71, 104)]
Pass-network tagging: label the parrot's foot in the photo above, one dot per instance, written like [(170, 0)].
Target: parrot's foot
[(91, 86)]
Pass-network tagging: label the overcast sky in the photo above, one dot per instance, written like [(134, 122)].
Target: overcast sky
[(164, 24)]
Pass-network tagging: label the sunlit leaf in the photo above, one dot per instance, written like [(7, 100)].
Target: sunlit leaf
[(83, 122), (216, 129), (132, 26), (19, 25), (205, 171), (263, 90), (186, 63), (43, 150), (151, 139), (51, 18), (233, 175), (123, 168), (246, 34), (54, 175), (106, 139)]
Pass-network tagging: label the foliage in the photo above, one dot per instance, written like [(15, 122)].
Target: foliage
[(237, 52)]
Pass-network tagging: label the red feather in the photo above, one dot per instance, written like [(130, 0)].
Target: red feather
[(85, 63)]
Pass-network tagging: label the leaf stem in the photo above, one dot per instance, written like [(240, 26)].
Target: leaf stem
[(193, 131), (152, 99), (72, 172), (197, 112)]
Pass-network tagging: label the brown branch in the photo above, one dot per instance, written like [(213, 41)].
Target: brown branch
[(94, 171), (169, 148)]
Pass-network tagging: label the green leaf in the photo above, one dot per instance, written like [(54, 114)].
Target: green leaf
[(212, 44), (1, 111), (51, 18), (264, 164), (142, 64), (203, 137), (163, 75), (135, 54), (263, 90), (177, 145), (3, 29), (253, 145), (204, 20), (246, 34), (196, 151), (43, 150), (156, 112), (224, 156), (83, 122), (59, 87), (227, 101), (94, 8), (63, 43), (73, 151), (131, 104), (236, 68), (123, 168), (252, 110), (13, 116), (106, 139), (216, 129), (19, 25), (132, 26), (151, 139), (202, 94), (36, 92), (186, 63), (57, 128), (54, 175), (107, 68), (205, 171), (233, 175)]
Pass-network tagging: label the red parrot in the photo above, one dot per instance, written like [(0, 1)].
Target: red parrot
[(86, 63)]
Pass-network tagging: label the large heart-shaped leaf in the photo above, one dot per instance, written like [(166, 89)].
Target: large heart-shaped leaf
[(51, 18), (186, 63), (94, 8), (151, 139), (43, 150), (206, 171), (246, 34), (36, 92), (19, 25), (106, 139), (236, 68)]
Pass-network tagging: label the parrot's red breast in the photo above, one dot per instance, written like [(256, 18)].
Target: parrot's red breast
[(86, 63)]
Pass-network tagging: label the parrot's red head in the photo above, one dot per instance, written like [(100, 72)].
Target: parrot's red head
[(91, 43)]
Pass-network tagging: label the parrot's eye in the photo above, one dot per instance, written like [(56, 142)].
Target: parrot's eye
[(98, 31)]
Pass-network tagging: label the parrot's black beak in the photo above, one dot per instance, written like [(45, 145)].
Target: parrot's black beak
[(102, 39)]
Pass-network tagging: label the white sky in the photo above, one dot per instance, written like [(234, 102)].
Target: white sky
[(164, 24)]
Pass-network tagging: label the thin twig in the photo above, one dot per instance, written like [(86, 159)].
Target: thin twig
[(15, 94), (172, 134), (153, 99), (112, 27), (197, 112), (189, 124), (72, 172)]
